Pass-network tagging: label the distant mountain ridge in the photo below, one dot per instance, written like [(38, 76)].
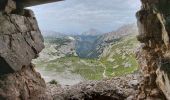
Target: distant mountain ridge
[(46, 33), (91, 32), (92, 43), (101, 42)]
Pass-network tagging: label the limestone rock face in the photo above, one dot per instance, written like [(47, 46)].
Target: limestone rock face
[(154, 31), (20, 41)]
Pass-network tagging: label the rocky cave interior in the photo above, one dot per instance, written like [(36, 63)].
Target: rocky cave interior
[(21, 41)]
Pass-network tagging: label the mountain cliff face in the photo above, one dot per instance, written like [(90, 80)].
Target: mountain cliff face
[(91, 32), (20, 42), (85, 45)]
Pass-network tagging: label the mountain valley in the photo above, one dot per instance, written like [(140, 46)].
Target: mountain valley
[(70, 59)]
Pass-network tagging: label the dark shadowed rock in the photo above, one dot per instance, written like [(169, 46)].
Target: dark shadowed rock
[(7, 6)]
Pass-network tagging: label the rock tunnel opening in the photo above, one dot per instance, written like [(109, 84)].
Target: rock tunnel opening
[(21, 37), (124, 51), (96, 52)]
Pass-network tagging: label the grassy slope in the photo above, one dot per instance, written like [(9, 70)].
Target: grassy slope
[(92, 69), (87, 68), (125, 47)]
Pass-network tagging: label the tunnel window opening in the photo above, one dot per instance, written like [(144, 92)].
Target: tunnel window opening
[(85, 40)]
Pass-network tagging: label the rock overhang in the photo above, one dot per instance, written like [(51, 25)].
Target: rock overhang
[(28, 3)]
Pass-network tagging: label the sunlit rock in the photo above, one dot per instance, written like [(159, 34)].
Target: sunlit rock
[(21, 41)]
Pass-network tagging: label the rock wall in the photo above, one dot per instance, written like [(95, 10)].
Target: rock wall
[(20, 42), (154, 56)]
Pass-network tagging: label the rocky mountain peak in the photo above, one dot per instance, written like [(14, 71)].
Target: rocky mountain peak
[(92, 32)]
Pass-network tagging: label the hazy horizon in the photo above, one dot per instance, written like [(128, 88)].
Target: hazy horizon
[(75, 16)]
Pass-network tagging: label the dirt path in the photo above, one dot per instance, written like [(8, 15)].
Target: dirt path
[(104, 72)]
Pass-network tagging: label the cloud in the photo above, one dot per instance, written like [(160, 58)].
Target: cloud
[(80, 15)]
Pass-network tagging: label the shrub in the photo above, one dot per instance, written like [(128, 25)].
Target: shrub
[(53, 82)]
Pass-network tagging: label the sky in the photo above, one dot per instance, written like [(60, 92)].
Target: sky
[(77, 16)]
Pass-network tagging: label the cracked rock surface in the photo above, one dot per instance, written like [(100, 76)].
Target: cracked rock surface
[(154, 54), (20, 41)]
